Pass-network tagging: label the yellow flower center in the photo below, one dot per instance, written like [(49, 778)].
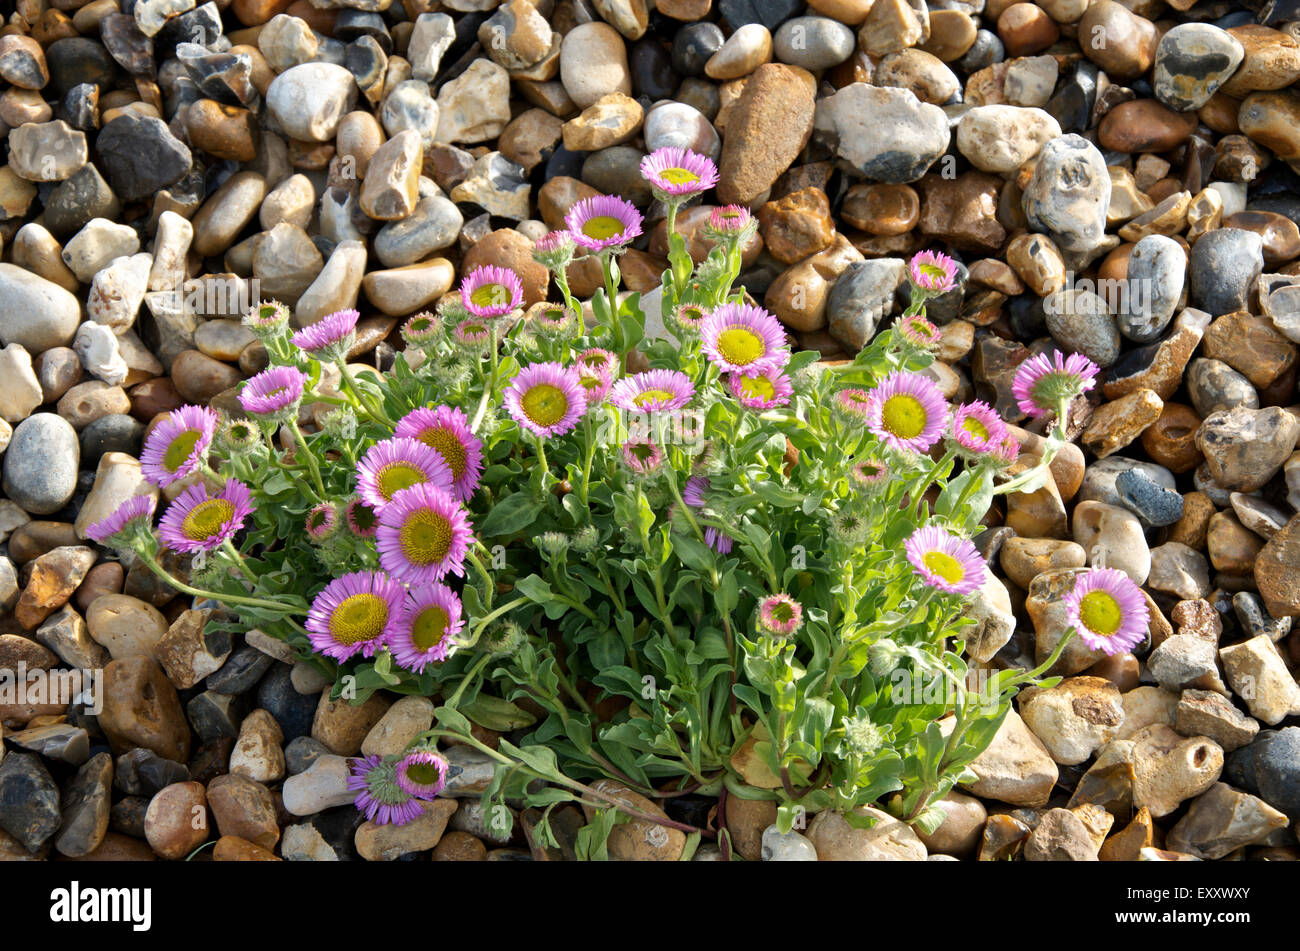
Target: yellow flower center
[(445, 443), (425, 537), (396, 476), (429, 628), (649, 397), (1100, 613), (420, 325), (904, 416), (490, 295), (679, 176), (545, 404), (740, 346), (782, 613), (424, 774), (757, 387), (472, 329), (179, 450), (602, 227), (977, 429), (944, 565), (361, 617), (206, 519)]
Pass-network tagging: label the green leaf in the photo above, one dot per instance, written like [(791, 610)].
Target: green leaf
[(497, 714), (510, 515)]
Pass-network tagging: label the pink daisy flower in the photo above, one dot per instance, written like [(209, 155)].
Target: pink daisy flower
[(422, 773), (321, 521), (693, 494), (945, 561), (199, 521), (546, 399), (354, 614), (274, 392), (420, 330), (977, 428), (399, 463), (603, 222), (331, 336), (1041, 383), (595, 384), (919, 332), (361, 518), (642, 456), (178, 446), (428, 626), (471, 332), (1108, 610), (730, 219), (933, 272), (869, 473), (780, 615), (554, 250), (907, 412), (489, 292), (423, 535), (853, 403), (690, 316), (267, 319), (380, 797), (1008, 450), (677, 172), (445, 430), (600, 360), (652, 391), (764, 389), (118, 529), (742, 338)]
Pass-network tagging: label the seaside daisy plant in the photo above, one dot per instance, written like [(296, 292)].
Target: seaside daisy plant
[(694, 562)]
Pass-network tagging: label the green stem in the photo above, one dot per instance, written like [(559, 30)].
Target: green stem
[(504, 609), (179, 585), (372, 410), (685, 509), (489, 385), (469, 675), (229, 548), (301, 443)]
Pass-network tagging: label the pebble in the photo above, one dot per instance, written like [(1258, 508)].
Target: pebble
[(245, 808), (888, 840), (1016, 767), (813, 42), (775, 109), (1245, 447), (1224, 267), (40, 465), (742, 53), (176, 822), (1075, 718), (141, 708), (35, 313), (1206, 713), (863, 294), (1215, 387), (139, 156), (1002, 138), (898, 143), (1222, 820), (1068, 194), (593, 63), (1256, 672), (1192, 61), (386, 843), (1156, 269), (308, 101), (1180, 570), (322, 785)]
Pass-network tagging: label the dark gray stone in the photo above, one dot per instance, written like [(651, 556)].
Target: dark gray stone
[(1224, 266)]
